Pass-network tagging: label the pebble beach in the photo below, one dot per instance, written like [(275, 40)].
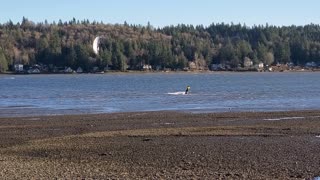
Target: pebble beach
[(162, 145)]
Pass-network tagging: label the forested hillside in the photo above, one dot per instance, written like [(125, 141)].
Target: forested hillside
[(124, 46)]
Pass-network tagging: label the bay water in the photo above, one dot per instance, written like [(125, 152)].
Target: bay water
[(32, 95)]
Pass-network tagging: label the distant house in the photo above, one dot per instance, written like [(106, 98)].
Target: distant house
[(311, 64), (247, 62), (260, 65), (185, 69), (68, 70), (79, 70), (33, 71), (214, 67), (290, 64), (192, 66), (158, 67), (18, 68), (146, 67), (36, 66), (217, 67)]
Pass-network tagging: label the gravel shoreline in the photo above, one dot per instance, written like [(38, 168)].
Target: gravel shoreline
[(162, 145)]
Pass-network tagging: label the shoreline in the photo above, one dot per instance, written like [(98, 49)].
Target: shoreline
[(166, 72), (162, 145), (9, 114)]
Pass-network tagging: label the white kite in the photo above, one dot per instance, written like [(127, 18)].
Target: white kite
[(96, 45)]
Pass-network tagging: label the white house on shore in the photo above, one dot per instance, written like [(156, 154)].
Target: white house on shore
[(147, 67), (18, 68), (260, 65)]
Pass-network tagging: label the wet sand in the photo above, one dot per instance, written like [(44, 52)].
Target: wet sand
[(162, 145)]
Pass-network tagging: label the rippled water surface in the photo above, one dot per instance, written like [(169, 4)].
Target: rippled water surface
[(25, 95)]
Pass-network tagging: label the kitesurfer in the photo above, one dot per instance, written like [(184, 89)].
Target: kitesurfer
[(187, 90)]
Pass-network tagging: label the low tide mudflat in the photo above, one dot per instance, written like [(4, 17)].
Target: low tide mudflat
[(162, 145)]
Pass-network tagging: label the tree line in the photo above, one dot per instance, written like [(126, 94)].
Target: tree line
[(124, 46)]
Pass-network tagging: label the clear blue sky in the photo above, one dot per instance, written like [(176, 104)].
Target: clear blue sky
[(165, 12)]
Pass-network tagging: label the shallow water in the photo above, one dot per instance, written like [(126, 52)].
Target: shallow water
[(22, 95)]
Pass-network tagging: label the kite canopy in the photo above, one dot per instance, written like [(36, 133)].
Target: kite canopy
[(96, 45)]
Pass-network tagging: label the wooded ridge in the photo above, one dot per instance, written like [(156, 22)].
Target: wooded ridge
[(124, 46)]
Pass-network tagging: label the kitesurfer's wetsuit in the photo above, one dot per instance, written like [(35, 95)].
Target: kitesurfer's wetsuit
[(187, 90)]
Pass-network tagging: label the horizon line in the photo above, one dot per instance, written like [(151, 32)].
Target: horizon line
[(243, 24)]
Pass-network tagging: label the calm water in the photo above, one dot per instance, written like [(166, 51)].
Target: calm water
[(23, 95)]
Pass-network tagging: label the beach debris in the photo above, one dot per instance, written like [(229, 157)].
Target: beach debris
[(286, 129), (147, 139), (91, 125), (105, 154)]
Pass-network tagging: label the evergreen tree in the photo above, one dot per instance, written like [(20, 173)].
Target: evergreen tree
[(3, 62), (282, 52), (70, 57), (227, 54), (83, 57), (269, 58), (106, 57), (182, 61), (244, 49), (262, 52), (118, 58)]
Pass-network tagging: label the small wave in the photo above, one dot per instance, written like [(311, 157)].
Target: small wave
[(9, 78), (284, 118), (17, 107), (177, 93)]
